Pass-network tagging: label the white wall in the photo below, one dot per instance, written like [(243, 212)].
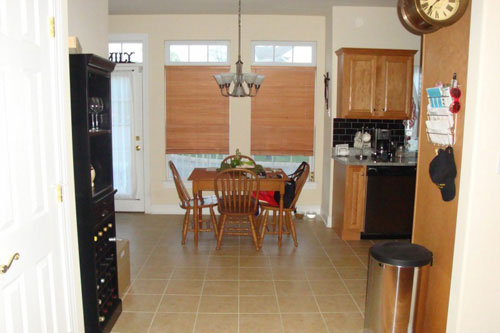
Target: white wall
[(365, 27), (474, 300), (88, 20), (215, 27)]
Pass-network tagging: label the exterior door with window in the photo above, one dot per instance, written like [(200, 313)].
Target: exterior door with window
[(128, 150)]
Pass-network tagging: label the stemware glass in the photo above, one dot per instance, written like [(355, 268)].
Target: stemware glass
[(100, 108), (93, 107)]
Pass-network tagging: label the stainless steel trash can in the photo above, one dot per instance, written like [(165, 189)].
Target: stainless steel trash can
[(397, 274)]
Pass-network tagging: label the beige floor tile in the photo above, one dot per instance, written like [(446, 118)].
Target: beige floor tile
[(289, 288), (231, 251), (179, 303), (340, 251), (314, 274), (258, 304), (262, 261), (303, 323), (143, 303), (219, 304), (336, 303), (133, 322), (297, 304), (256, 273), (220, 288), (286, 261), (257, 288), (316, 262), (356, 286), (352, 261), (216, 323), (148, 287), (189, 273), (328, 287), (184, 287), (352, 272), (344, 322), (156, 272), (192, 261), (173, 322), (282, 273), (216, 261), (360, 301), (222, 273), (260, 323)]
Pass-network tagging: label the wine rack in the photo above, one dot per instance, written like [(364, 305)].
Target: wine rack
[(92, 148)]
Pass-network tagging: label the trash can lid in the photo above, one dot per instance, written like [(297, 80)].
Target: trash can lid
[(401, 254)]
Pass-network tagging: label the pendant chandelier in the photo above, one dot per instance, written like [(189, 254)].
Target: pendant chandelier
[(252, 81)]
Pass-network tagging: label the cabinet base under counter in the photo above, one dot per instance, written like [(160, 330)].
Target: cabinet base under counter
[(349, 198), (373, 202)]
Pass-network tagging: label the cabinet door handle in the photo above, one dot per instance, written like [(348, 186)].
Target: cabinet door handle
[(4, 268), (374, 110), (384, 110)]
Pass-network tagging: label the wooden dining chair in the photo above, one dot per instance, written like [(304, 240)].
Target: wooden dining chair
[(244, 158), (187, 203), (300, 178), (234, 189)]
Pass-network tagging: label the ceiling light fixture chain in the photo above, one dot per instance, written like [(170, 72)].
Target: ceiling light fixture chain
[(252, 81)]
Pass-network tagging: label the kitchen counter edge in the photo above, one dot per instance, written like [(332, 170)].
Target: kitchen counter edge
[(352, 160)]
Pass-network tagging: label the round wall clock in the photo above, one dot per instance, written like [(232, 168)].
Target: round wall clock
[(424, 16)]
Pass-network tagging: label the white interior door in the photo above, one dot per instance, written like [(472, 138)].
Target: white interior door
[(128, 150), (35, 293)]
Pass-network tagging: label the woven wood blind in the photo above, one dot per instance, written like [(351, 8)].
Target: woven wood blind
[(283, 112), (197, 114)]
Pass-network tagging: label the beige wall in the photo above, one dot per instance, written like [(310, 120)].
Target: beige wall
[(474, 301), (219, 27), (368, 27), (88, 20)]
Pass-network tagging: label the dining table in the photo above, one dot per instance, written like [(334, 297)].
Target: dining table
[(203, 179)]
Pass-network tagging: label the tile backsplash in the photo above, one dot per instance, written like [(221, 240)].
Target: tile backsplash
[(345, 129)]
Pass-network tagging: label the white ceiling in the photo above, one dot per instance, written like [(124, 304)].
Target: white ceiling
[(283, 7)]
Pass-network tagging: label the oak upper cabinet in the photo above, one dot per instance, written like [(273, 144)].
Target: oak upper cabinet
[(374, 83), (349, 200)]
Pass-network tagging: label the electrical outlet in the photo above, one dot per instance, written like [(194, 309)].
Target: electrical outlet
[(311, 176)]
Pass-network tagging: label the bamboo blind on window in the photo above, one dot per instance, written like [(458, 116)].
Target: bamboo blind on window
[(197, 114), (283, 112)]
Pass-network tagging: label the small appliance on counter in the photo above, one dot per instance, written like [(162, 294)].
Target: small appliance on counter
[(342, 149), (381, 145)]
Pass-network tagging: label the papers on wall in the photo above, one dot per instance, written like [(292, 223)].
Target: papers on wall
[(440, 123)]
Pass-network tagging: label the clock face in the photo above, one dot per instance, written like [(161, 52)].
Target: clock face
[(439, 10)]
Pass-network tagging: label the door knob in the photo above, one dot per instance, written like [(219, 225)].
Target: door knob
[(138, 148), (5, 268)]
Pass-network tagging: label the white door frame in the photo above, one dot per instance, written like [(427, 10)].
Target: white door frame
[(143, 38), (69, 236)]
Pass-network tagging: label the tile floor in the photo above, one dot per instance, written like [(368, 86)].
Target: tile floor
[(317, 287)]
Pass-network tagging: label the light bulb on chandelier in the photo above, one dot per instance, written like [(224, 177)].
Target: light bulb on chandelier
[(239, 79)]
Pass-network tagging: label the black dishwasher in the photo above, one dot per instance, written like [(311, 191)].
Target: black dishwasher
[(390, 196)]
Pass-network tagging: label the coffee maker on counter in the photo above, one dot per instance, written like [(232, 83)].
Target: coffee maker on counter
[(381, 144)]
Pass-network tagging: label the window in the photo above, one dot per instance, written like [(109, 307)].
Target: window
[(197, 114), (289, 163), (196, 52), (123, 51), (283, 113), (284, 53)]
